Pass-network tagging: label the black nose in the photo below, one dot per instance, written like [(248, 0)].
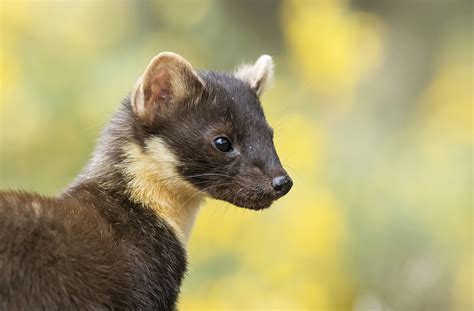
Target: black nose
[(282, 184)]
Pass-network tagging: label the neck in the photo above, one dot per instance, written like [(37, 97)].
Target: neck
[(153, 181), (145, 168)]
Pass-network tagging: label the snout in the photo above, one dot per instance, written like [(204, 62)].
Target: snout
[(281, 185)]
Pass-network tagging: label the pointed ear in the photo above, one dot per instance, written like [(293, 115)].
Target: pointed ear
[(259, 75), (168, 80)]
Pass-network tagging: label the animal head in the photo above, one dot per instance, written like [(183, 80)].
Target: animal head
[(213, 128)]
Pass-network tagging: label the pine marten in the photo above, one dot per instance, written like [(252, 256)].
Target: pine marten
[(116, 237)]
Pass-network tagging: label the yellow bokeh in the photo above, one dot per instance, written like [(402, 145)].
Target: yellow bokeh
[(376, 187), (300, 142), (463, 287), (332, 46), (448, 101)]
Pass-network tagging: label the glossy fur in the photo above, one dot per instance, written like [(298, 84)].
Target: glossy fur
[(115, 239), (227, 107)]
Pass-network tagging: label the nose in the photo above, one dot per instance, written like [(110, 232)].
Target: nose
[(282, 184)]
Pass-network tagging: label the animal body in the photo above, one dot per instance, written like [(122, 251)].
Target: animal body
[(116, 237)]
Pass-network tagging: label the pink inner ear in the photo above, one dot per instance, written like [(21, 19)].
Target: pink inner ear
[(159, 87)]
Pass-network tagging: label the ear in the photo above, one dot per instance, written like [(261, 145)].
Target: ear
[(168, 80), (259, 75)]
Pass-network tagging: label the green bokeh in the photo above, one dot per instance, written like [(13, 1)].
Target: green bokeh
[(372, 106)]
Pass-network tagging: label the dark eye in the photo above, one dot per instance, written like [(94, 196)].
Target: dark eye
[(223, 144)]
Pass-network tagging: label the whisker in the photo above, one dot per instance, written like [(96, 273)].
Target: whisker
[(209, 174)]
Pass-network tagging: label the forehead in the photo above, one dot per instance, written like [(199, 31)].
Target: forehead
[(233, 99)]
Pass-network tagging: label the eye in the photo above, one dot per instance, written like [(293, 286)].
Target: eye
[(223, 144)]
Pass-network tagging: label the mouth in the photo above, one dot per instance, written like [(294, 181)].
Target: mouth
[(250, 197), (252, 200), (255, 205)]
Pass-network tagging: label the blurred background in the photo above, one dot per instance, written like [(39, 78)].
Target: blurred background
[(372, 109)]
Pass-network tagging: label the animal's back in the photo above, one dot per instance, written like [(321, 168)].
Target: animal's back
[(58, 253), (85, 250)]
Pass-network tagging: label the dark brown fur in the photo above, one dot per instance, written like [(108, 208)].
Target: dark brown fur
[(94, 247), (88, 249)]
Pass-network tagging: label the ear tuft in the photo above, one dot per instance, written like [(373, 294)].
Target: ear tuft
[(169, 79), (259, 75)]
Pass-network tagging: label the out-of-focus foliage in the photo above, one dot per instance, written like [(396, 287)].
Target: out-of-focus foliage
[(333, 46), (372, 107)]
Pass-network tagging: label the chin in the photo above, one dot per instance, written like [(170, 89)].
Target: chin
[(253, 205), (262, 202)]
